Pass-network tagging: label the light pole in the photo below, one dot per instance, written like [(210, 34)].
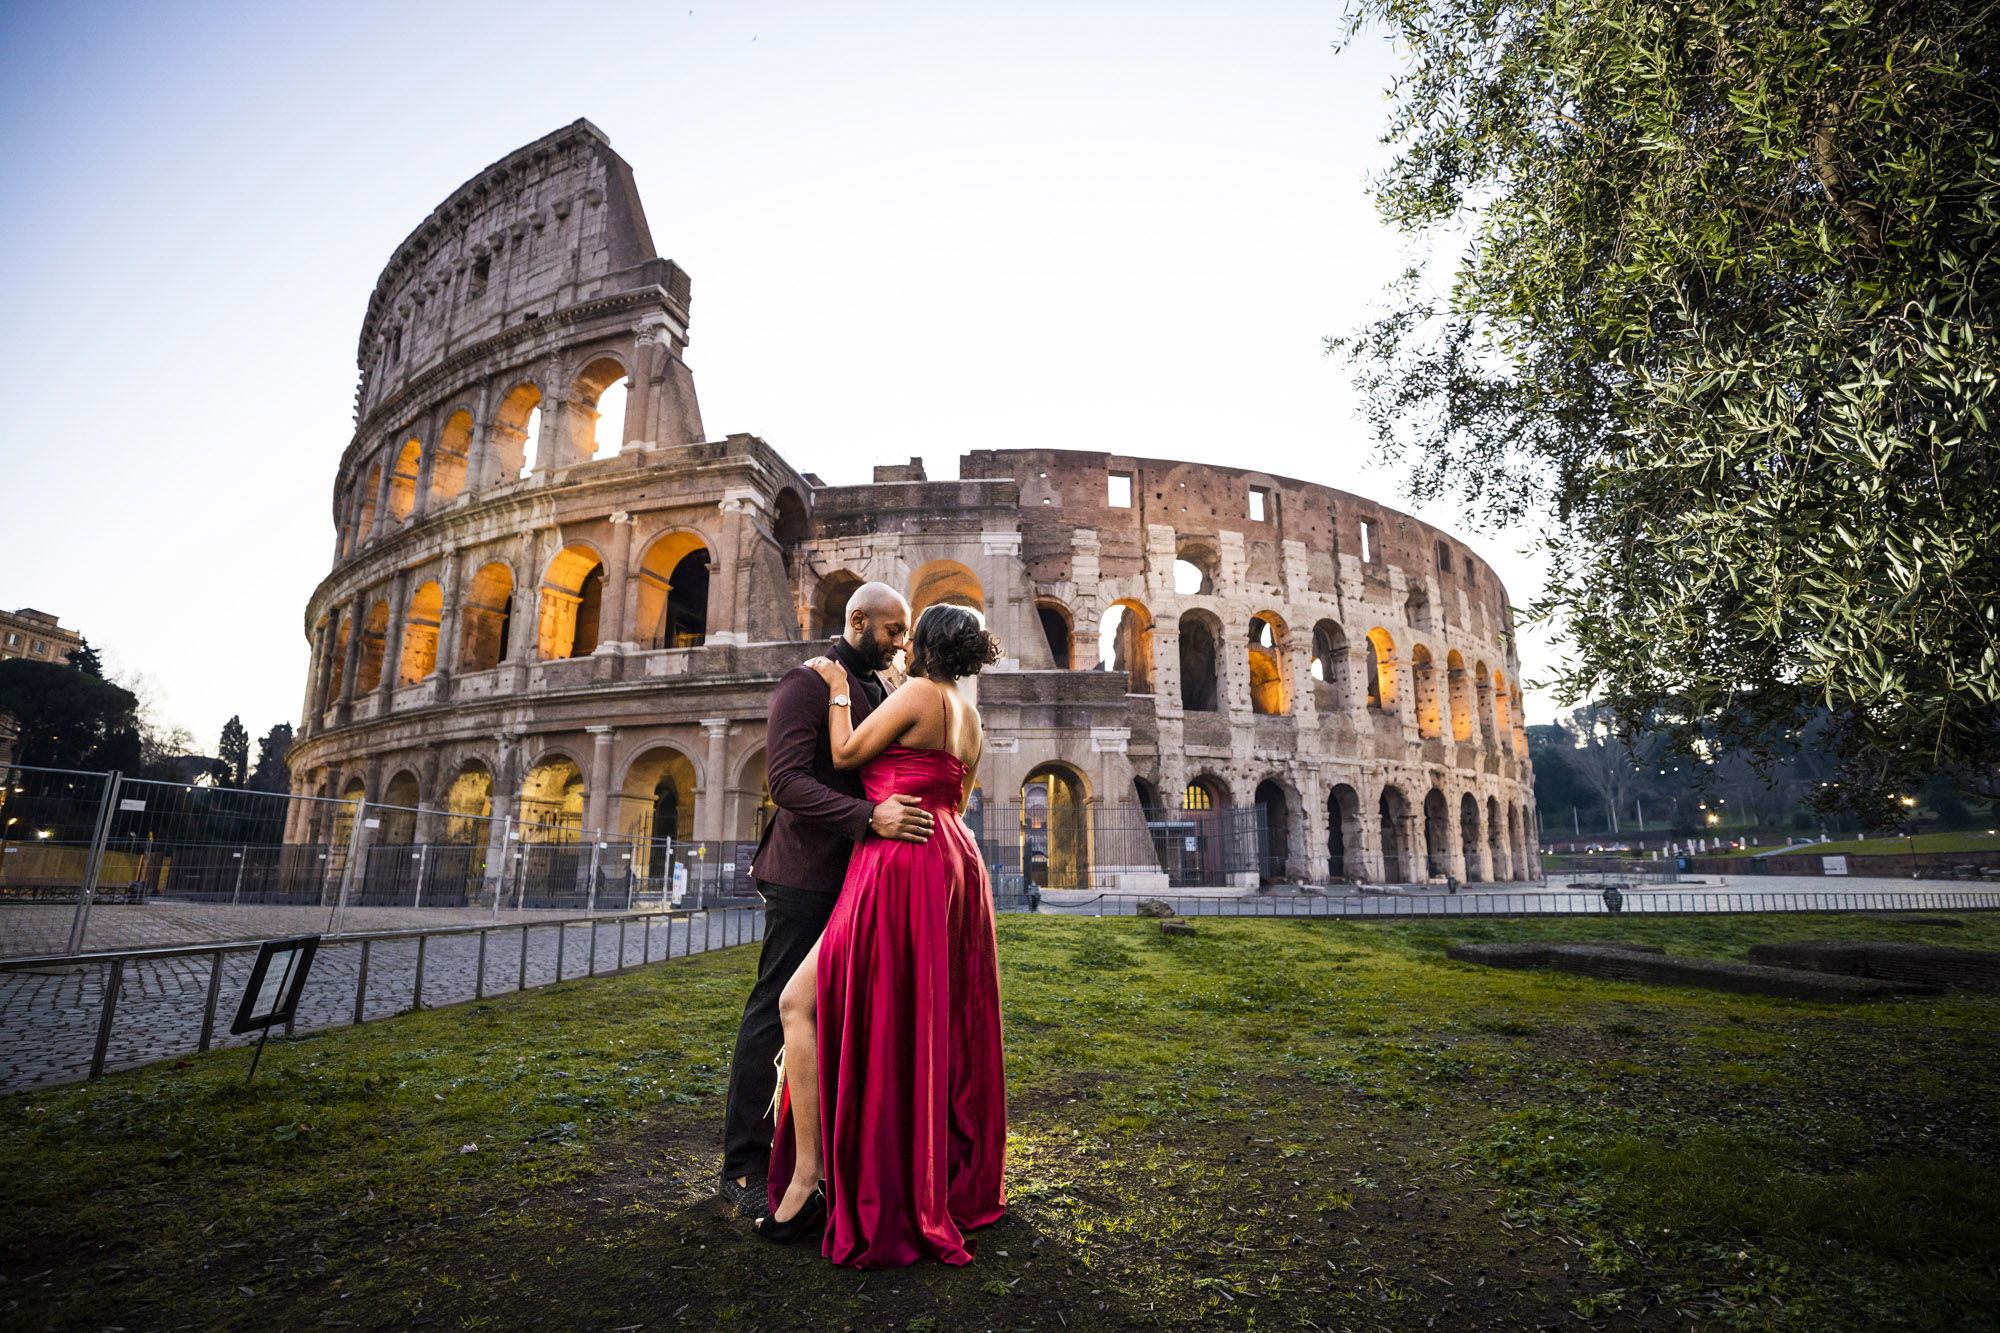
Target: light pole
[(1909, 832)]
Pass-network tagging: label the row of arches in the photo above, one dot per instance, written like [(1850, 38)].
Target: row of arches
[(523, 433)]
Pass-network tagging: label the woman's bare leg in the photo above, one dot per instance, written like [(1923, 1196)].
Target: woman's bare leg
[(798, 1010)]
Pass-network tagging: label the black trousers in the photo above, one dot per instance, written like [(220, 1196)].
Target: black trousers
[(794, 919)]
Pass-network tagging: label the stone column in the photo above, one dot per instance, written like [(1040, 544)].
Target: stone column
[(426, 463), (711, 819), (619, 588), (479, 462), (450, 625), (385, 466), (597, 786), (729, 574), (639, 428), (392, 641), (555, 449), (506, 802), (350, 668)]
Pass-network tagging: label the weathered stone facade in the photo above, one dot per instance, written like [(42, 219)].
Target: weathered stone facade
[(527, 618)]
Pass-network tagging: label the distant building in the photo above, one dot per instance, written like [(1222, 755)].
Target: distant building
[(37, 635)]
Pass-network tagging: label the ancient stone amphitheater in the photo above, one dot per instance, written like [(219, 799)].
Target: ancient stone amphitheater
[(1213, 675)]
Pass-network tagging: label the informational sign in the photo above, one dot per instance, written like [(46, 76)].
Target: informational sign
[(129, 804), (275, 982), (1190, 844), (1833, 865)]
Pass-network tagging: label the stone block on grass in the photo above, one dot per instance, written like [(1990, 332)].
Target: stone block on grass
[(1654, 967), (1924, 964)]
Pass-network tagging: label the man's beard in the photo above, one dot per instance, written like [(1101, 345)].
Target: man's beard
[(875, 656)]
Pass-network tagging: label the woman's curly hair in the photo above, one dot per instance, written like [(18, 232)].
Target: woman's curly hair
[(951, 642)]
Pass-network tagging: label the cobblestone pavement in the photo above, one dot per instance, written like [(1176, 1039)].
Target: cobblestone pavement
[(49, 1017)]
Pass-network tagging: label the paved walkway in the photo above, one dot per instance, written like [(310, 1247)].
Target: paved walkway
[(49, 1017)]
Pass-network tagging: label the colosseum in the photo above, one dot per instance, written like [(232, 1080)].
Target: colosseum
[(555, 600)]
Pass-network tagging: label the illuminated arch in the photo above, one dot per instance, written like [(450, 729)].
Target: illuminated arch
[(673, 591), (1270, 689), (403, 479), (368, 674), (1382, 682), (517, 432), (597, 408), (572, 604), (1055, 838), (1125, 643), (452, 458), (945, 581), (1461, 696), (421, 621), (551, 805), (486, 623)]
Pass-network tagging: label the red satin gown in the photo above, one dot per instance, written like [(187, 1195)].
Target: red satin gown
[(913, 1111)]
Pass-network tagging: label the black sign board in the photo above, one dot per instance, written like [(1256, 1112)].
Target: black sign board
[(275, 982)]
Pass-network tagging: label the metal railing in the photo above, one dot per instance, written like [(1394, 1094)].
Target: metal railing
[(1382, 904)]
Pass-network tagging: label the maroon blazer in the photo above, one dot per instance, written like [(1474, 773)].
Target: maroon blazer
[(821, 811)]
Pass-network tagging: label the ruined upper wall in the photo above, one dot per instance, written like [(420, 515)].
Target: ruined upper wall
[(547, 226)]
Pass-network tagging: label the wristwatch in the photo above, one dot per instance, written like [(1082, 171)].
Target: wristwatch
[(840, 699)]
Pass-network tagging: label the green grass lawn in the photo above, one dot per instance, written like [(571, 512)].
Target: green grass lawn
[(1273, 1124)]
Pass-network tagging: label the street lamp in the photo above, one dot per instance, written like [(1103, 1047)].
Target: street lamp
[(1909, 832)]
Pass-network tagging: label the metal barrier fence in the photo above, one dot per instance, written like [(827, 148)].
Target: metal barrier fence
[(1592, 902), (96, 862)]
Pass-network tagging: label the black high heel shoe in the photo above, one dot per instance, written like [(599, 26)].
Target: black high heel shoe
[(809, 1220)]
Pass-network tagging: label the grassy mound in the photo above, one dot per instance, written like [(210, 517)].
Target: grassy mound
[(1284, 1124)]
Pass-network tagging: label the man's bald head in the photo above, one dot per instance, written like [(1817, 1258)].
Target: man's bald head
[(878, 623)]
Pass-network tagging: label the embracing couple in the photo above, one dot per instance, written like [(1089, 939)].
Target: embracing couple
[(866, 1098)]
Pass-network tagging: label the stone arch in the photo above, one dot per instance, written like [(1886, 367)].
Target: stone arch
[(551, 803), (656, 800), (1343, 832), (791, 526), (1270, 685), (401, 796), (1417, 609), (1201, 678), (368, 672), (1059, 628), (1461, 696), (352, 793), (1125, 643), (452, 458), (945, 581), (1430, 708), (673, 591), (1496, 850), (421, 622), (516, 436), (1195, 568), (1437, 835), (1329, 667), (830, 603), (1468, 837), (1393, 809), (1382, 692), (403, 479), (600, 391), (486, 622), (572, 603), (1277, 805), (468, 804), (1055, 836), (751, 806), (1205, 791)]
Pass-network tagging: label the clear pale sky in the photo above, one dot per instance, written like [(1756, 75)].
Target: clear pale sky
[(913, 229)]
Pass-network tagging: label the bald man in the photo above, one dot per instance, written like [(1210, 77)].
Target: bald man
[(822, 813)]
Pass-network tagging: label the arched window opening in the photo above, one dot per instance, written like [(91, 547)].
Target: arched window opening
[(1468, 838), (517, 428), (1194, 571), (1461, 696), (1270, 691), (1273, 833), (468, 805), (364, 508), (790, 527), (1125, 643), (1484, 683), (453, 456), (420, 634), (572, 601), (1381, 670), (368, 675), (1437, 835), (830, 604), (1343, 832), (751, 798), (343, 819), (398, 811), (1056, 629), (656, 808), (1394, 811), (1329, 667), (945, 581), (403, 480), (599, 409), (1054, 841), (552, 801), (1198, 692), (673, 592), (1148, 796), (1496, 849), (487, 619), (1430, 710)]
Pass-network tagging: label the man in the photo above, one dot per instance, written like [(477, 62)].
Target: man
[(821, 814)]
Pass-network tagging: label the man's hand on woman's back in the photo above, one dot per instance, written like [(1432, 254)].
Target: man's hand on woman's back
[(903, 818)]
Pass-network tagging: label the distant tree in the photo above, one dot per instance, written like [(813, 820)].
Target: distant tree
[(1715, 303), (271, 774), (67, 718), (85, 659), (234, 752)]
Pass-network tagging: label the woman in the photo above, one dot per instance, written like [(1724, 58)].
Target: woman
[(892, 1117)]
